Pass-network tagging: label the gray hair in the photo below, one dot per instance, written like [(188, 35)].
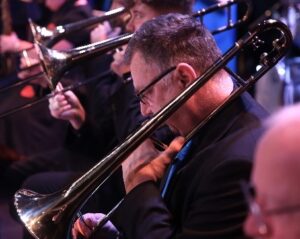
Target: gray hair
[(173, 38)]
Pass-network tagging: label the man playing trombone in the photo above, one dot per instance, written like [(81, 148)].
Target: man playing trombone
[(141, 11), (198, 194)]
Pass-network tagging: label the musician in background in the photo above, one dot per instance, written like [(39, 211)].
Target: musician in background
[(11, 43), (62, 13), (13, 15), (200, 197), (109, 29), (141, 11), (37, 144), (274, 194), (39, 132)]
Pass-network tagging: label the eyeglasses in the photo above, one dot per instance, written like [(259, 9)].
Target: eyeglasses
[(258, 213), (141, 94)]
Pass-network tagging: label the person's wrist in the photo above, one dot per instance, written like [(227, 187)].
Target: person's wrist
[(78, 121), (76, 124)]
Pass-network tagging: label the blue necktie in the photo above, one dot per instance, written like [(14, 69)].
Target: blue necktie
[(175, 165)]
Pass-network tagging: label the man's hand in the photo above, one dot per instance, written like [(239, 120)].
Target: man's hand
[(104, 31), (118, 65), (9, 43), (91, 220), (146, 164), (66, 106), (30, 66)]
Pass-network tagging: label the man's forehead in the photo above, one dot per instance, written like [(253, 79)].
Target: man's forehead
[(142, 70), (277, 161), (139, 58)]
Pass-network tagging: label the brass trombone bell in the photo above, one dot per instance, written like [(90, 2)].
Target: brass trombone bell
[(50, 38), (55, 63)]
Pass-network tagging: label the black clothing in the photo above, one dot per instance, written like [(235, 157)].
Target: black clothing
[(205, 200), (112, 112), (31, 130)]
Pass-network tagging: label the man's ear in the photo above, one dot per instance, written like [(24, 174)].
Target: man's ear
[(185, 74)]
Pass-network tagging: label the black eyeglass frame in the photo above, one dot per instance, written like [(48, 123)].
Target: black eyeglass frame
[(140, 95)]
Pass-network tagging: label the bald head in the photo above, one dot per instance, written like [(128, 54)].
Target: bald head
[(276, 178), (277, 158)]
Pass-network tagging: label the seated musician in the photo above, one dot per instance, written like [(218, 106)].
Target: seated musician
[(95, 134), (275, 191), (200, 197), (62, 13)]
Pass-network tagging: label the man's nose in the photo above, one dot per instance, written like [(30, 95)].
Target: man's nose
[(145, 109), (130, 26)]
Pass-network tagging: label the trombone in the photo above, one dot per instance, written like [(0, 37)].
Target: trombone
[(45, 215), (50, 38), (56, 63), (244, 6)]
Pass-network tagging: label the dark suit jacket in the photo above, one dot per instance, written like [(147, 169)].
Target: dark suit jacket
[(205, 200)]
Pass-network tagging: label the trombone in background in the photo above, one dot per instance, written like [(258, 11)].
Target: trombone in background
[(50, 38), (56, 63), (245, 10), (45, 215)]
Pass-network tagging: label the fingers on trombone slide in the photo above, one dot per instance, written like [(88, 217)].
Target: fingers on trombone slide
[(82, 228), (29, 67), (93, 225)]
